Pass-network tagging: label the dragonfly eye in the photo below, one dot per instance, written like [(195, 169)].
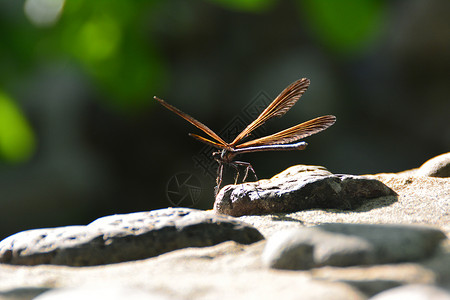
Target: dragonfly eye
[(216, 154)]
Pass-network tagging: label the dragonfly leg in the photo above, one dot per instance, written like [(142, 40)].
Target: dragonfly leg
[(237, 172), (219, 178), (247, 166)]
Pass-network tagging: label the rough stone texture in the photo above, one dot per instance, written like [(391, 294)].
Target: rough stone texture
[(419, 292), (236, 271), (119, 238), (299, 188), (350, 244), (438, 166), (421, 200), (225, 271)]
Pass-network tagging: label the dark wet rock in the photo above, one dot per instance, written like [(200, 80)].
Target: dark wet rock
[(299, 188), (120, 238), (438, 166), (350, 244)]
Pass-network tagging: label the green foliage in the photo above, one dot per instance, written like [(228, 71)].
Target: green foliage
[(17, 140), (246, 5), (109, 42), (113, 42), (344, 26)]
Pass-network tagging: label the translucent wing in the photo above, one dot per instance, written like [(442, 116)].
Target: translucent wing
[(285, 100), (193, 121), (294, 133)]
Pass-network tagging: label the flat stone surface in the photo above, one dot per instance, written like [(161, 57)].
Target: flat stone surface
[(299, 188), (119, 238), (350, 244)]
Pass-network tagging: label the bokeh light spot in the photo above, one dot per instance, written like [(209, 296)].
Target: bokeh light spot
[(43, 13), (99, 39), (17, 142)]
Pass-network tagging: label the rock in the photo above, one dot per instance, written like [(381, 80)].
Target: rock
[(374, 279), (120, 238), (103, 292), (392, 243), (289, 250), (419, 292), (23, 293), (299, 188), (217, 272), (438, 166), (372, 287), (350, 244), (234, 270)]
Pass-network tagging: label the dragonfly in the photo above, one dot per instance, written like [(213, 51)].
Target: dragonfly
[(284, 140)]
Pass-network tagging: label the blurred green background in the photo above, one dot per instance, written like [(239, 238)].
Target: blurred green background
[(81, 136)]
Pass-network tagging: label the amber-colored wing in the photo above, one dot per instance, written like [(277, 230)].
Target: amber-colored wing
[(285, 100), (294, 133), (193, 121), (208, 142)]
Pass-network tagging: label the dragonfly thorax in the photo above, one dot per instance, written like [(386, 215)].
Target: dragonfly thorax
[(224, 156)]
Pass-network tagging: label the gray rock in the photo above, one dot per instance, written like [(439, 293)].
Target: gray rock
[(438, 166), (392, 243), (285, 249), (290, 250), (23, 293), (374, 286), (350, 244), (299, 188), (231, 270), (120, 238), (414, 291)]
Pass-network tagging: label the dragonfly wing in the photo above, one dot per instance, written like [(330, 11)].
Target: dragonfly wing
[(294, 133), (285, 100), (193, 121), (206, 141)]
